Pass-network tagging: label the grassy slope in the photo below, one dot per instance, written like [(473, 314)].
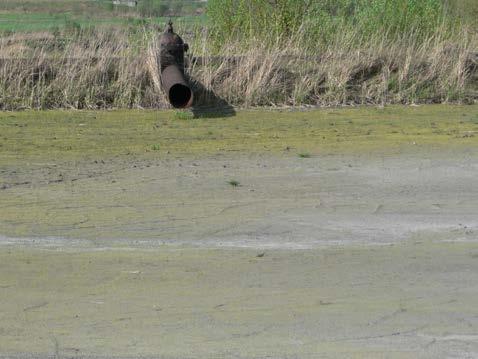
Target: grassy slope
[(32, 16), (61, 135), (438, 70), (38, 21), (34, 22), (40, 15)]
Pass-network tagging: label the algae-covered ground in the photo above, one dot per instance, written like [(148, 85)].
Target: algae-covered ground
[(401, 301), (73, 135), (279, 234)]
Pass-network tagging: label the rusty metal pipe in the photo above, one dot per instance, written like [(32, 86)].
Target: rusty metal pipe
[(176, 87), (173, 81)]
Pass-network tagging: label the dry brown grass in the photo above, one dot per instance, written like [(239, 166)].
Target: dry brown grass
[(92, 71), (111, 69)]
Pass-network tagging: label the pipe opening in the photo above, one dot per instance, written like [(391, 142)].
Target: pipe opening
[(180, 95)]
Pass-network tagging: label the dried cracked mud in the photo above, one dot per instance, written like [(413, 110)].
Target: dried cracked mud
[(366, 252)]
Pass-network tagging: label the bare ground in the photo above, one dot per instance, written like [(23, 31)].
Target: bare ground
[(360, 255)]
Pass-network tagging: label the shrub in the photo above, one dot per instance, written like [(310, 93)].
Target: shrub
[(319, 21)]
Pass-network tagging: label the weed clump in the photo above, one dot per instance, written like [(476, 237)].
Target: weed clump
[(234, 183), (183, 115)]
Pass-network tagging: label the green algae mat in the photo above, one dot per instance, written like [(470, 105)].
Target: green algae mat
[(399, 301), (165, 176), (72, 135)]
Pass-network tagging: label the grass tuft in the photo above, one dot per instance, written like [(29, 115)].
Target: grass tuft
[(183, 115), (234, 183)]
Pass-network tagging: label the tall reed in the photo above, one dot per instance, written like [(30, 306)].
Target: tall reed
[(119, 69)]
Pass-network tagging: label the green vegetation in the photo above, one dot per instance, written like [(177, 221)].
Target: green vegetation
[(158, 8), (304, 155), (75, 173), (130, 297), (38, 21), (183, 115), (347, 51), (316, 23), (152, 8), (234, 183), (467, 10), (321, 21), (97, 69), (54, 15), (31, 136), (287, 53)]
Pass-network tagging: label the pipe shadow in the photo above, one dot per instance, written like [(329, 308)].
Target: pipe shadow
[(207, 104)]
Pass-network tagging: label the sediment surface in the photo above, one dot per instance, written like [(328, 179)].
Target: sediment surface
[(331, 233)]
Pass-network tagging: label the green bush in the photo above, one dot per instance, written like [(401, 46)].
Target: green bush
[(320, 20)]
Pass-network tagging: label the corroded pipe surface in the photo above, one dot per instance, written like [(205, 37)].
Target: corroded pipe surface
[(176, 87), (173, 80)]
